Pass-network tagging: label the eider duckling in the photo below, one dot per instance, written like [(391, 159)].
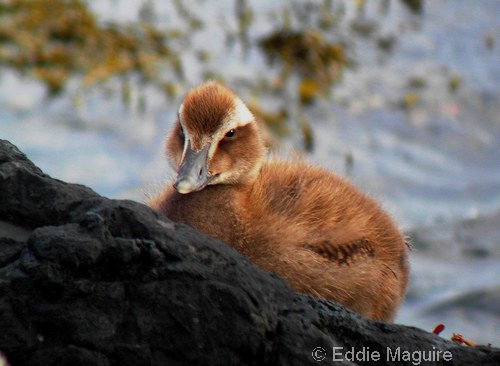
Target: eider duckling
[(305, 224)]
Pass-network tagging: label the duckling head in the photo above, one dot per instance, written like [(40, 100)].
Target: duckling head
[(215, 140)]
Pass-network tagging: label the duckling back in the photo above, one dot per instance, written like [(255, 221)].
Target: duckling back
[(326, 238)]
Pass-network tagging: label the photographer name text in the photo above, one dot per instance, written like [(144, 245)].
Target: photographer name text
[(392, 354)]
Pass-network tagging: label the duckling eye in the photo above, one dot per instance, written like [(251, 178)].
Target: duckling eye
[(230, 134)]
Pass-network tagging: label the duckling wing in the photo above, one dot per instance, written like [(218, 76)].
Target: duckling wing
[(345, 253), (318, 211)]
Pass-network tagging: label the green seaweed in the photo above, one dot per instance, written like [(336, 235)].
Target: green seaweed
[(308, 47), (416, 6), (52, 40), (453, 83), (318, 62)]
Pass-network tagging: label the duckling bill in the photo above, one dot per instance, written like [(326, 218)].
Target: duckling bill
[(192, 175), (307, 225)]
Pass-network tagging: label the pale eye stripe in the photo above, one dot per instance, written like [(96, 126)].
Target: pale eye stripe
[(241, 115), (186, 135), (179, 113)]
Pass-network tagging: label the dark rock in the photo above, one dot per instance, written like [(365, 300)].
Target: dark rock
[(90, 281)]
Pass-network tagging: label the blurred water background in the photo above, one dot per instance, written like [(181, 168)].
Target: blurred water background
[(412, 117)]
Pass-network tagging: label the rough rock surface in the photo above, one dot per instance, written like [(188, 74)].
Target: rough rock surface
[(85, 280)]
